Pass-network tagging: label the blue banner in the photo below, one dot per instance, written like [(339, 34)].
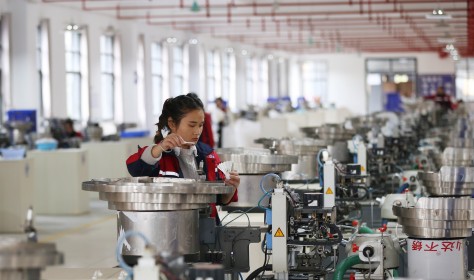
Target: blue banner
[(427, 84)]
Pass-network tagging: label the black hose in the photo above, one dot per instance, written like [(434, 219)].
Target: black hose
[(259, 270)]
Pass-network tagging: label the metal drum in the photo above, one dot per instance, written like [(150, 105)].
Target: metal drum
[(20, 259), (448, 181), (165, 210), (458, 156), (170, 231), (252, 164), (335, 137), (437, 217), (306, 149)]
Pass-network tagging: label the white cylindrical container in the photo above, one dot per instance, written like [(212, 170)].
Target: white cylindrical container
[(437, 259)]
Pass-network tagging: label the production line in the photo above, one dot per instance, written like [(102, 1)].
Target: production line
[(380, 197)]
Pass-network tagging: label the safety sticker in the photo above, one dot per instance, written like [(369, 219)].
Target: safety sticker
[(279, 233), (329, 191)]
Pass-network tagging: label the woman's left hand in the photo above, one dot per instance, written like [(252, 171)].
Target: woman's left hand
[(234, 179)]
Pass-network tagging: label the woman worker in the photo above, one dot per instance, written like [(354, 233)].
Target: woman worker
[(177, 151)]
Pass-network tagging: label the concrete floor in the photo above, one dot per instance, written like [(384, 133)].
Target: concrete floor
[(87, 242)]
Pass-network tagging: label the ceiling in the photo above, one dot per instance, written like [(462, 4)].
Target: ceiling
[(302, 26)]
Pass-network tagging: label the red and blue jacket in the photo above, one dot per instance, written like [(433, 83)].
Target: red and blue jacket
[(168, 166)]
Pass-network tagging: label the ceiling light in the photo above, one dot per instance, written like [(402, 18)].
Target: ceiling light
[(270, 56), (195, 7), (438, 14), (72, 26), (193, 41), (229, 50), (171, 40), (449, 47), (244, 52)]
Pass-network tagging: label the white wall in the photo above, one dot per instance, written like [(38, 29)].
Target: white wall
[(346, 71), (346, 75)]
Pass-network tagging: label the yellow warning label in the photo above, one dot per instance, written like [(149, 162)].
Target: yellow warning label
[(362, 168), (329, 191), (279, 233)]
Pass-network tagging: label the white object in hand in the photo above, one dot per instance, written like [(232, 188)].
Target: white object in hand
[(226, 167)]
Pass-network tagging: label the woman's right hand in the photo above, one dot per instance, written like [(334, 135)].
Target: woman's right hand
[(171, 141)]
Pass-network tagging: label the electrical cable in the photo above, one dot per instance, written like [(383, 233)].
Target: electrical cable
[(321, 167), (264, 177), (259, 270), (238, 211), (265, 192), (118, 250), (243, 213)]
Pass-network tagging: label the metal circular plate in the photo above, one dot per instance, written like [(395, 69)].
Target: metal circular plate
[(157, 198), (422, 223), (27, 255), (131, 206), (436, 233)]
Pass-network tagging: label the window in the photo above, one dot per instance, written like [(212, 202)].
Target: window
[(465, 79), (263, 89), (383, 76), (73, 73), (228, 79), (314, 81), (251, 80), (141, 99), (42, 63), (214, 78), (107, 66), (5, 95), (178, 70), (157, 77)]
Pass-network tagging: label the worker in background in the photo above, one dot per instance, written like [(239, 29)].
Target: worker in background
[(177, 152), (442, 99), (220, 116), (69, 131)]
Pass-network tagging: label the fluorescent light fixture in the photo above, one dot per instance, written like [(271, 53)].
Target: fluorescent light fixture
[(193, 41), (72, 26), (449, 47), (171, 40), (438, 14), (446, 40), (244, 52)]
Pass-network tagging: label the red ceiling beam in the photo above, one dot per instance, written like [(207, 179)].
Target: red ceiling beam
[(470, 28), (314, 22), (309, 13)]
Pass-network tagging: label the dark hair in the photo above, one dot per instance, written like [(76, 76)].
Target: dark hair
[(69, 122), (176, 108)]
